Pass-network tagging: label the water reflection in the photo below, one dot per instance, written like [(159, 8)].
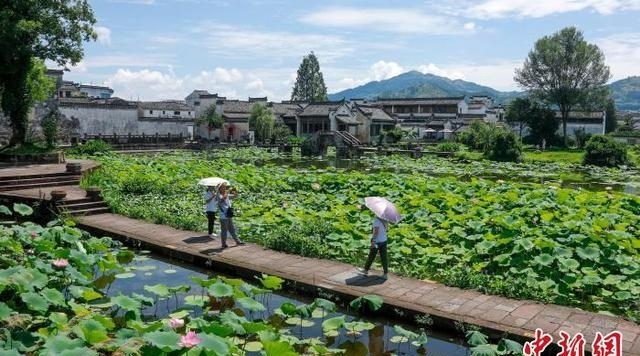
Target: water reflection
[(151, 270)]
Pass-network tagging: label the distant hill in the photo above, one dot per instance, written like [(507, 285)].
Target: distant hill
[(626, 92), (415, 84)]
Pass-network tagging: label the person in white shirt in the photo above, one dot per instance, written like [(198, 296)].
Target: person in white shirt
[(210, 208), (378, 244)]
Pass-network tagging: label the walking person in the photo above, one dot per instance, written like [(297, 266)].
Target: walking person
[(385, 213), (210, 209), (226, 214), (378, 244)]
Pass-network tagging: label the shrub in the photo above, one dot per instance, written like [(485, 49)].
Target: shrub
[(478, 136), (605, 151), (93, 147), (395, 134), (504, 146), (304, 239), (50, 124), (448, 147)]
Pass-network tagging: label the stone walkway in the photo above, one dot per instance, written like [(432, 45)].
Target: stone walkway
[(518, 317)]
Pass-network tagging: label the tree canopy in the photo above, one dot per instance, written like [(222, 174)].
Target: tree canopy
[(44, 29), (262, 121), (211, 118), (309, 84), (540, 120), (566, 71)]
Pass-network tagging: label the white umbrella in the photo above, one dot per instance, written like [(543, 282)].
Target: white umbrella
[(383, 209), (212, 181)]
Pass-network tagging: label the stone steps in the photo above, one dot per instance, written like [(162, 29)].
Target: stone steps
[(38, 182)]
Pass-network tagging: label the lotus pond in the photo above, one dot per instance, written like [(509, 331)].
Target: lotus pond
[(534, 240), (65, 292)]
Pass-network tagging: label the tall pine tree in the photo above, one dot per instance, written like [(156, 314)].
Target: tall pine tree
[(309, 83)]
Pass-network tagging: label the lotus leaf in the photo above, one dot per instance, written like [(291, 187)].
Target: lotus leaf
[(5, 311), (22, 209), (475, 338), (278, 348), (91, 331), (166, 341), (35, 302), (484, 350)]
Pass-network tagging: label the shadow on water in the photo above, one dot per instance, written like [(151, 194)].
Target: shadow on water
[(150, 270)]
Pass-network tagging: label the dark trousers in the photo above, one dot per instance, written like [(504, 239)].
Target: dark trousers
[(211, 219), (373, 251)]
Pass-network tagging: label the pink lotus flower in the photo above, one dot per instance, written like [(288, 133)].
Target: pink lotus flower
[(60, 263), (190, 340), (176, 323)]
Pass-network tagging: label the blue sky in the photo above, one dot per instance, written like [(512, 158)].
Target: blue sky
[(164, 49)]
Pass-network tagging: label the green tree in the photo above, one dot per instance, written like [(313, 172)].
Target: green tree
[(611, 123), (44, 29), (541, 120), (309, 84), (262, 121), (210, 118), (518, 112), (281, 132), (39, 85), (50, 124), (564, 70)]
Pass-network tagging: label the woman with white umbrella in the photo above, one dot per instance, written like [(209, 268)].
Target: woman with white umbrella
[(385, 212), (210, 202)]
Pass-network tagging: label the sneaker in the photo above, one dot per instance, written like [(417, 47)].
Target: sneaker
[(224, 246), (362, 271), (384, 276), (239, 242), (212, 236)]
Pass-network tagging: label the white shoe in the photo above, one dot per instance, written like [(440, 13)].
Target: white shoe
[(213, 236), (362, 271)]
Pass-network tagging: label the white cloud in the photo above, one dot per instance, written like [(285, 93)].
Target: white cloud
[(492, 9), (384, 70), (128, 60), (234, 42), (469, 26), (104, 34), (403, 20), (433, 69), (145, 84), (622, 53)]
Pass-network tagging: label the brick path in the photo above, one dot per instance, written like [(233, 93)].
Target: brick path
[(518, 317)]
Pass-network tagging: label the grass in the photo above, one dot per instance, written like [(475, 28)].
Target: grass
[(566, 156)]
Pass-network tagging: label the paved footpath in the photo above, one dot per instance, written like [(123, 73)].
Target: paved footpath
[(518, 317)]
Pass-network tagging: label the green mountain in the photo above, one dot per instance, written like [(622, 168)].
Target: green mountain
[(625, 92), (415, 84)]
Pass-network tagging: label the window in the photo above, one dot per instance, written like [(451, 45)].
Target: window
[(150, 112), (196, 103), (163, 112), (176, 113)]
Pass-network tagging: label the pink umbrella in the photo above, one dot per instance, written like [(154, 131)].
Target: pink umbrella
[(383, 209)]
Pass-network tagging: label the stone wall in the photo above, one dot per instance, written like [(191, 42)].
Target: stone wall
[(109, 120)]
